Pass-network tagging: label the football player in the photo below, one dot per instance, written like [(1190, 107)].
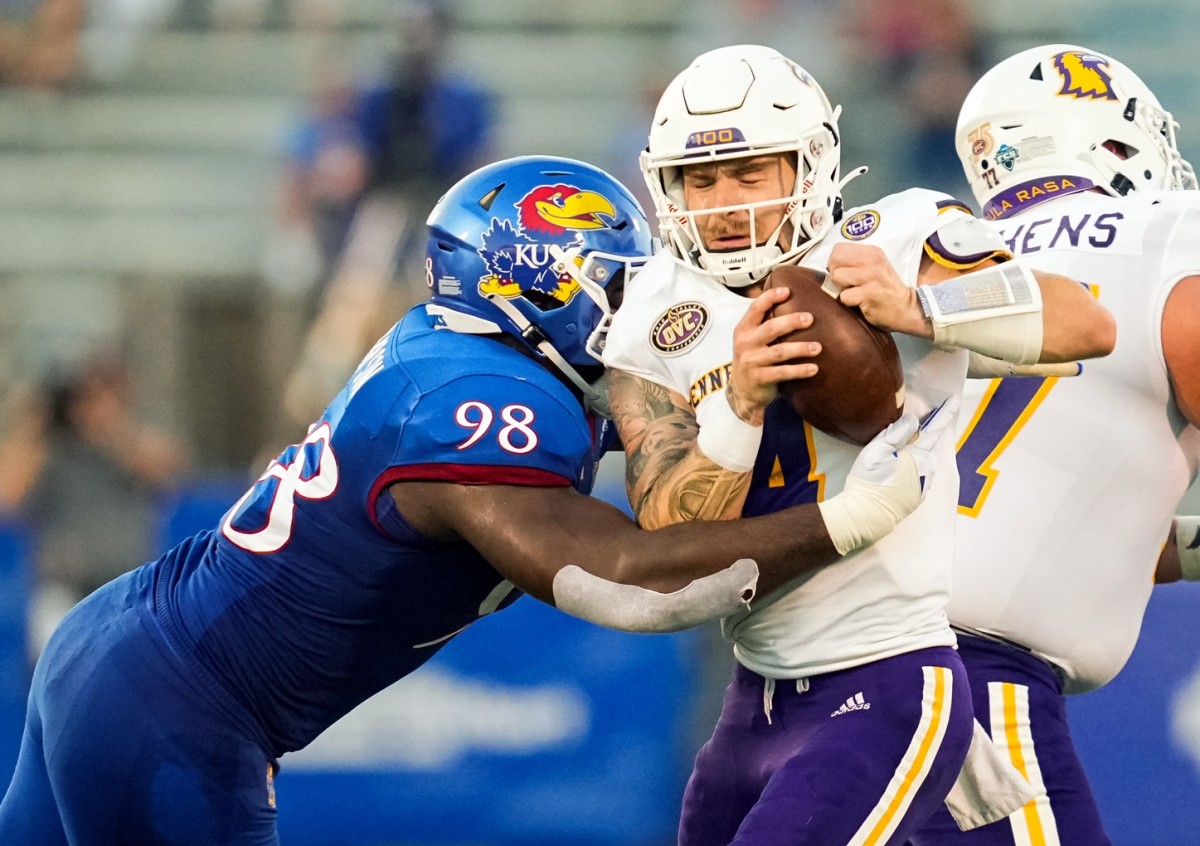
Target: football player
[(848, 718), (1068, 485), (446, 477)]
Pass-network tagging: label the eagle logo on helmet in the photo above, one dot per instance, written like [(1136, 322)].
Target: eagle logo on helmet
[(1085, 76), (520, 265)]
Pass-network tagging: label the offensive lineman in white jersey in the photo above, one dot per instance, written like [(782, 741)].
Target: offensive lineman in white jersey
[(848, 719), (1068, 486)]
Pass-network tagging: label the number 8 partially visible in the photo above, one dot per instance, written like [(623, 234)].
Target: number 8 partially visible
[(288, 469)]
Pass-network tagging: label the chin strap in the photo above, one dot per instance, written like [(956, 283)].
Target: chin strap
[(595, 398)]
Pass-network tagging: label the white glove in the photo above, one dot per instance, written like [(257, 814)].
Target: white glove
[(888, 480)]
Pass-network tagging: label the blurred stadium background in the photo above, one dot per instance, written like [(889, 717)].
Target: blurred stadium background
[(136, 207)]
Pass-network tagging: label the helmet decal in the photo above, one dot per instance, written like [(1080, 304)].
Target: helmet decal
[(555, 209), (711, 137), (1007, 156), (1084, 75), (1026, 194), (536, 248), (519, 261), (981, 141)]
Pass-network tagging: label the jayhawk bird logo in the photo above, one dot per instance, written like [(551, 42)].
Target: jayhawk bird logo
[(1085, 75), (520, 265)]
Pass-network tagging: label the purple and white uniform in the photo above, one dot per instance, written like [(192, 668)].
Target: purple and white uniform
[(848, 718), (1067, 491)]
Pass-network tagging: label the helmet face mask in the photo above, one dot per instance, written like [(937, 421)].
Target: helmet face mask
[(533, 247), (737, 103), (1059, 119)]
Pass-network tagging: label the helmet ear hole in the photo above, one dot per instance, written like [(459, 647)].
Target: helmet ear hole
[(1118, 149)]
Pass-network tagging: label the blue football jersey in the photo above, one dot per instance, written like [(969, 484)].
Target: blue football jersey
[(314, 593)]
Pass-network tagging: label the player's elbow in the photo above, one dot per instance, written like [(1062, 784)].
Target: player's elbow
[(1099, 337), (1085, 339), (1076, 325)]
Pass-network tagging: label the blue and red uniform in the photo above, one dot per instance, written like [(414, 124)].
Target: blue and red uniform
[(247, 641)]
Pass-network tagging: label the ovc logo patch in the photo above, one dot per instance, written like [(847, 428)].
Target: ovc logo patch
[(679, 327)]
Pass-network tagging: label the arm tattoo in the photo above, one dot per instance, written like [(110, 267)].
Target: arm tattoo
[(667, 477)]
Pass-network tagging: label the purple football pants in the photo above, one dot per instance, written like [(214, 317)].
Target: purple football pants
[(1018, 700), (859, 756)]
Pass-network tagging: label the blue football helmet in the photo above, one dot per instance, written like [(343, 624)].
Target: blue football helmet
[(539, 248)]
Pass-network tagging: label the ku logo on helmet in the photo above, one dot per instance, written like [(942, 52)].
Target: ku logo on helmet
[(1085, 76), (520, 265)]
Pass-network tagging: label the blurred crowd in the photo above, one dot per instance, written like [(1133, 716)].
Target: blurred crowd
[(365, 158), (88, 476)]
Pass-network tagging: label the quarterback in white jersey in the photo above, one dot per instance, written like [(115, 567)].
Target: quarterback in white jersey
[(848, 717), (1068, 486)]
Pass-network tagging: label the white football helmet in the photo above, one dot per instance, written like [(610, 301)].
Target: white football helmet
[(738, 102), (1058, 119)]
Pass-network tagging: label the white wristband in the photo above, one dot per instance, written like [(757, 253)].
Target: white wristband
[(725, 438), (996, 311), (866, 511), (1187, 543)]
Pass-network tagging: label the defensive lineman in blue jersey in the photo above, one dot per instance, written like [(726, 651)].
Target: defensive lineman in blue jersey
[(446, 477)]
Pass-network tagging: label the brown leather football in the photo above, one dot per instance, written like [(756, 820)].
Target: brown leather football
[(859, 386)]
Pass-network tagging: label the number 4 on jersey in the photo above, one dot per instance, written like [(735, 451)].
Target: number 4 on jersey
[(1003, 412)]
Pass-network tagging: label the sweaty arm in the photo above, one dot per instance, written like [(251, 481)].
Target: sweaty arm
[(1056, 321), (581, 554)]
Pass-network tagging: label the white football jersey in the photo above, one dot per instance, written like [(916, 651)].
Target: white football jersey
[(675, 328), (1068, 485)]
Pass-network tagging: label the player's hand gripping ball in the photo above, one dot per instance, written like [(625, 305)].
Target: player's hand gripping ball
[(859, 387)]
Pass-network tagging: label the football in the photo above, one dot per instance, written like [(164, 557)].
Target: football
[(859, 386)]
